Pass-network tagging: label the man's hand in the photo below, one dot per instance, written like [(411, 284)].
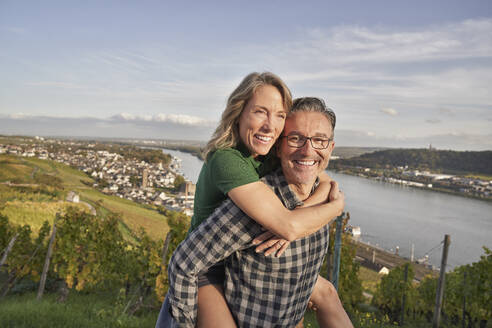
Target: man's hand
[(271, 243)]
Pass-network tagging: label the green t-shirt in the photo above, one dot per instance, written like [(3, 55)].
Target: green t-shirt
[(225, 170)]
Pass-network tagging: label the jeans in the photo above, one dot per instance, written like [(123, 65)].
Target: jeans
[(165, 320)]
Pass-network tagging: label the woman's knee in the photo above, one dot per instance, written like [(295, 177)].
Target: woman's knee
[(324, 293)]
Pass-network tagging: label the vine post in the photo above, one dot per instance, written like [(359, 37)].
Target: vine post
[(440, 287), (46, 266), (404, 296), (338, 250), (8, 249)]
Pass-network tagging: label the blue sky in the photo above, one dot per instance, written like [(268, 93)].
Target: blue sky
[(397, 73)]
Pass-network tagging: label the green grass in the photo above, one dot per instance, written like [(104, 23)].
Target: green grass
[(13, 169), (35, 213), (30, 194), (479, 176), (369, 278), (133, 216), (80, 310)]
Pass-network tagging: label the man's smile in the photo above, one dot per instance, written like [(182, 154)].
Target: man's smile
[(305, 162)]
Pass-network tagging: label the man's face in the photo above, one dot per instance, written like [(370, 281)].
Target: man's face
[(302, 165)]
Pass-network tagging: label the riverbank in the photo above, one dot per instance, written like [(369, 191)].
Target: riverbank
[(375, 258), (410, 183), (192, 150)]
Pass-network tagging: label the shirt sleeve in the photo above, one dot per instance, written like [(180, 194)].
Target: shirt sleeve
[(227, 230), (230, 169)]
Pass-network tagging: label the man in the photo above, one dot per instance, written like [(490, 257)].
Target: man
[(262, 291)]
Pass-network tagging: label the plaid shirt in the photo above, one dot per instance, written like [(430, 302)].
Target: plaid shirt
[(262, 291)]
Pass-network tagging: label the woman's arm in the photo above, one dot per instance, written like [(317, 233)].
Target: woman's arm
[(273, 244), (262, 205)]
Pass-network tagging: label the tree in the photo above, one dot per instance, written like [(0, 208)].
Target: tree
[(178, 181), (390, 291)]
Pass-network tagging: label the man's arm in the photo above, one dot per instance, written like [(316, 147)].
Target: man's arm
[(228, 229)]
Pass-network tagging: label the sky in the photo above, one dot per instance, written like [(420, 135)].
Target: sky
[(396, 73)]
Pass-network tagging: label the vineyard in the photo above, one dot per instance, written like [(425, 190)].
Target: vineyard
[(65, 267), (88, 255)]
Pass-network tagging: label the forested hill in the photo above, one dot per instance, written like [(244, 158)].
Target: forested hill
[(479, 162)]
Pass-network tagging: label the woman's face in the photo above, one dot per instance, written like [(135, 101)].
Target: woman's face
[(262, 120)]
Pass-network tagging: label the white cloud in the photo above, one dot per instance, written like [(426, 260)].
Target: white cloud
[(389, 111), (433, 121), (163, 118), (356, 44), (19, 116)]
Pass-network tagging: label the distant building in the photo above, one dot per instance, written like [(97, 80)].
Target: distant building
[(188, 189), (145, 178), (73, 197), (384, 270)]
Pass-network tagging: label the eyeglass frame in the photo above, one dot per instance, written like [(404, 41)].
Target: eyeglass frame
[(305, 140)]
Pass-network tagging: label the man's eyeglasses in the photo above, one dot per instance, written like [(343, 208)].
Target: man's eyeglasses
[(298, 141)]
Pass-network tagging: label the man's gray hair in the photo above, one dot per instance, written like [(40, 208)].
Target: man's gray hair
[(313, 104)]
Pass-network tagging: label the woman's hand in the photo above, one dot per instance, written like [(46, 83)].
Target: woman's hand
[(271, 243), (335, 192), (336, 196)]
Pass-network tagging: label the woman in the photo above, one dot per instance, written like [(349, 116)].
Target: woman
[(236, 157)]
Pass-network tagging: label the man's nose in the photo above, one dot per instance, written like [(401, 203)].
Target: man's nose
[(307, 148)]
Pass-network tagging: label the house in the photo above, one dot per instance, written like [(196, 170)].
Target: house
[(384, 270), (73, 197)]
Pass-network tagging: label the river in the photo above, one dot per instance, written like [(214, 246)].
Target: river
[(393, 215)]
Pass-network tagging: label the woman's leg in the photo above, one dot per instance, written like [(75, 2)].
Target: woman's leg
[(329, 310), (213, 311)]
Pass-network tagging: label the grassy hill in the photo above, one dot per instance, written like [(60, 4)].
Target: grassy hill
[(33, 190)]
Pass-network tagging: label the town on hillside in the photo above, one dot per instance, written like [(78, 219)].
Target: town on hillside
[(127, 177)]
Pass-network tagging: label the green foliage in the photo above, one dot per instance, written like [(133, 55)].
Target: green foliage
[(89, 251), (6, 232), (134, 180), (349, 286), (193, 150), (178, 181), (24, 258), (47, 180), (140, 154), (28, 193), (389, 294), (476, 288), (179, 224)]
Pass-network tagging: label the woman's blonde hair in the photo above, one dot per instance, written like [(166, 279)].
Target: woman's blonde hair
[(227, 133)]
